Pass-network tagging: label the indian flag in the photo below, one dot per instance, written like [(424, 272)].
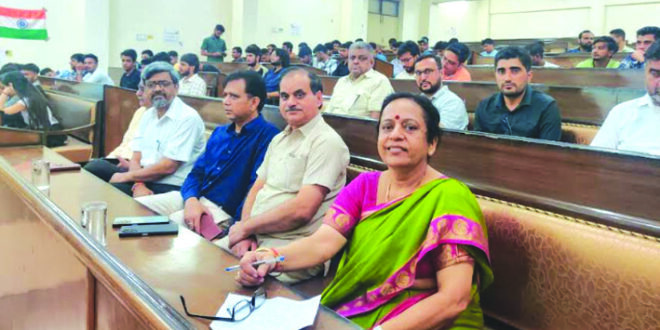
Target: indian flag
[(23, 24)]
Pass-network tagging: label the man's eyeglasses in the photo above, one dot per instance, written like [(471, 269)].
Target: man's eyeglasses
[(239, 312), (161, 83), (425, 72)]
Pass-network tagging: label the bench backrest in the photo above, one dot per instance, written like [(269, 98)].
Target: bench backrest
[(75, 112), (571, 77)]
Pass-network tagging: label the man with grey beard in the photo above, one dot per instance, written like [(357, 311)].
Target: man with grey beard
[(633, 125), (169, 138)]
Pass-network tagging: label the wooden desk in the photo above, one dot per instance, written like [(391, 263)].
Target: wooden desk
[(185, 264)]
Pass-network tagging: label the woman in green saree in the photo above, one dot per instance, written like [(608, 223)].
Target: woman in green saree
[(415, 243)]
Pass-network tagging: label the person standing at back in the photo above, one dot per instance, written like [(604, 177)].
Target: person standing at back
[(213, 47)]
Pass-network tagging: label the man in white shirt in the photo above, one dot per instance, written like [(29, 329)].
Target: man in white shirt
[(168, 141), (362, 92), (536, 52), (633, 125), (94, 75), (407, 54), (191, 83), (428, 74)]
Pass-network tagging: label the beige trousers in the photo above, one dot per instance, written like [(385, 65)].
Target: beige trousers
[(171, 204)]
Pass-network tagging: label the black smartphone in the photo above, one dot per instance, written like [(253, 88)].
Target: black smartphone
[(149, 230), (147, 220)]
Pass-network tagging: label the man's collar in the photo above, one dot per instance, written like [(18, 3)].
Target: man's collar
[(439, 92), (173, 110), (247, 128), (307, 128), (527, 99), (367, 74)]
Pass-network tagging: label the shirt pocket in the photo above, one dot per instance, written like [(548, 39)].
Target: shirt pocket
[(294, 168)]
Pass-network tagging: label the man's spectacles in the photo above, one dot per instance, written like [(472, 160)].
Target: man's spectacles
[(239, 312), (426, 72), (161, 83)]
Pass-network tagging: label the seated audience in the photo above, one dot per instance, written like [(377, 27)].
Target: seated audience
[(361, 92), (378, 52), (407, 54), (585, 40), (633, 125), (131, 77), (265, 55), (174, 57), (423, 44), (94, 74), (439, 48), (602, 51), (517, 109), (31, 72), (488, 46), (323, 60), (169, 139), (223, 174), (214, 47), (302, 173), (31, 104), (288, 47), (77, 63), (453, 63), (645, 37), (536, 52), (191, 83), (393, 43), (124, 151), (305, 55), (620, 37), (146, 54), (237, 55), (428, 74), (47, 72), (341, 69), (397, 66), (414, 242), (271, 48), (15, 120), (253, 60), (279, 59)]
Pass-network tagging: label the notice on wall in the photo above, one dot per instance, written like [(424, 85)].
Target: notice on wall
[(141, 37), (171, 36), (296, 29)]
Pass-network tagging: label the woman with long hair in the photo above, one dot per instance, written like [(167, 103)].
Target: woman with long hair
[(31, 104)]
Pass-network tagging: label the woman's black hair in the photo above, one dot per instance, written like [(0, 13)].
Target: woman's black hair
[(429, 112), (36, 103)]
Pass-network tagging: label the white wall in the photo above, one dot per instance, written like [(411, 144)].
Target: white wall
[(66, 23), (193, 19)]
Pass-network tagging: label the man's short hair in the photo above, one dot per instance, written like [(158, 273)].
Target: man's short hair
[(131, 53), (359, 39), (191, 59), (254, 84), (304, 51), (161, 56), (30, 67), (535, 49), (487, 41), (303, 44), (361, 45), (391, 41), (408, 47), (373, 45), (583, 32), (253, 49), (611, 44), (148, 52), (288, 45), (264, 51), (423, 40), (437, 59), (440, 45), (283, 55), (514, 52), (346, 45), (45, 71), (619, 33), (315, 84), (158, 67), (320, 48), (220, 28), (10, 67), (654, 30), (78, 57), (453, 40), (461, 50), (653, 53), (173, 53), (238, 49), (92, 56)]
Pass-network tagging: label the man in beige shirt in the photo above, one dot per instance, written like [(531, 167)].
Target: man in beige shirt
[(362, 92), (303, 170)]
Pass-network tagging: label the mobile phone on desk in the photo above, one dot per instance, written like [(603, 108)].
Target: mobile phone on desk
[(146, 220), (64, 167), (149, 230)]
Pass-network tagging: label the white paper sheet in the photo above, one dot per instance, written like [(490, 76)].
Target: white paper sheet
[(275, 314)]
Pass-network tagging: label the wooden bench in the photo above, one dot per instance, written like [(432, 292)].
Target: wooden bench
[(383, 67), (571, 77), (564, 60)]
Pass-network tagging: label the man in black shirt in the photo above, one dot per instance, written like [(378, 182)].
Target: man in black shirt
[(518, 109), (342, 66), (131, 77)]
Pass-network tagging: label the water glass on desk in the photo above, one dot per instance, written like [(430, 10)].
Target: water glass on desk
[(41, 175), (94, 215)]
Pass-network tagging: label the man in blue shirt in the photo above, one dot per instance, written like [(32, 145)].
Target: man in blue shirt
[(224, 173), (279, 59), (646, 36)]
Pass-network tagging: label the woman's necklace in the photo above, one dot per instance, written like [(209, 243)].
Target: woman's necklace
[(389, 186)]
